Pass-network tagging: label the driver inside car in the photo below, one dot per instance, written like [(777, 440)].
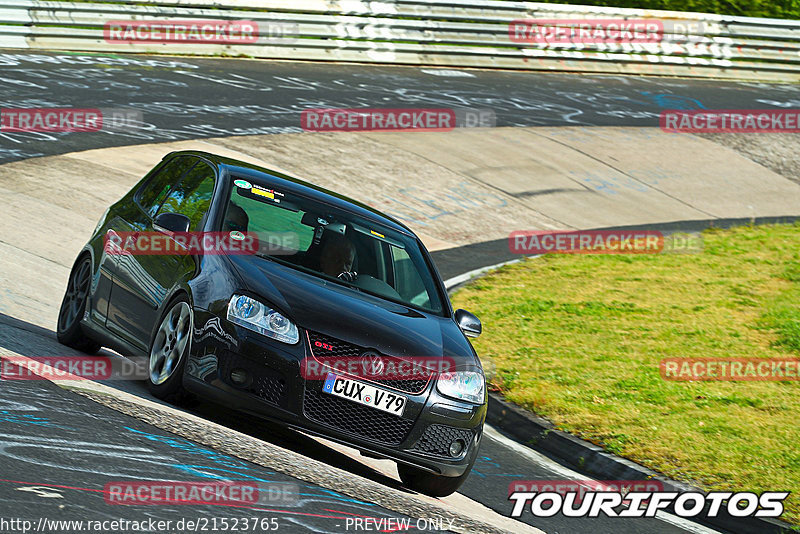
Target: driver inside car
[(337, 257)]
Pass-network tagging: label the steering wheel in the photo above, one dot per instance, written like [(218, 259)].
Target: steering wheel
[(348, 276)]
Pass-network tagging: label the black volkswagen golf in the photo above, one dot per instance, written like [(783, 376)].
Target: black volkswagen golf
[(333, 320)]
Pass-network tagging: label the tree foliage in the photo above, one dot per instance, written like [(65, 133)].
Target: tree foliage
[(784, 9)]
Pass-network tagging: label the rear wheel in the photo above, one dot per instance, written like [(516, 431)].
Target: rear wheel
[(429, 483), (73, 308), (169, 350)]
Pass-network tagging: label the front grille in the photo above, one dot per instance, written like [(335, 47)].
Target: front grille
[(270, 387), (336, 349), (409, 386), (437, 439), (353, 418)]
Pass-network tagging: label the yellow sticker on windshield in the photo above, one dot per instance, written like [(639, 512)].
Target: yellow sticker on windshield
[(373, 232), (263, 193)]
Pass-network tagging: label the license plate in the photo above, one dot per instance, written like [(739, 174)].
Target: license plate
[(364, 394)]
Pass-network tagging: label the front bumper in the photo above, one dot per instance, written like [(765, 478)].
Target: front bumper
[(275, 389)]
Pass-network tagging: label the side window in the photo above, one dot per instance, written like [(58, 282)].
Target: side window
[(155, 190), (192, 196)]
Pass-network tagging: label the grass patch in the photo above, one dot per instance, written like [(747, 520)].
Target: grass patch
[(578, 339)]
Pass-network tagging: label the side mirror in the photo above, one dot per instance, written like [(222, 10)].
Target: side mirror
[(172, 223), (468, 323)]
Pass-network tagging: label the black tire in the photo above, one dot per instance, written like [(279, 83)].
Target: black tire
[(429, 483), (73, 307), (169, 348)]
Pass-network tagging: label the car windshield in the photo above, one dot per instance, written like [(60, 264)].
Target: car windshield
[(333, 244)]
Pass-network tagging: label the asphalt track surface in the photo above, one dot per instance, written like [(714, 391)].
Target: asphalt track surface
[(58, 449), (190, 98), (42, 425)]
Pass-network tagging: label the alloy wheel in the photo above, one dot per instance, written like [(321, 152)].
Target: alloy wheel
[(170, 343)]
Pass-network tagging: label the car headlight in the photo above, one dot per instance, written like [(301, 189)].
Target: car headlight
[(252, 314), (464, 385)]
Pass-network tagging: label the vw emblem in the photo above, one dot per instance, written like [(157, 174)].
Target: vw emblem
[(372, 363)]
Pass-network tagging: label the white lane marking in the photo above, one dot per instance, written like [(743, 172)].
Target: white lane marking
[(449, 283), (41, 491), (569, 474), (451, 73), (41, 441)]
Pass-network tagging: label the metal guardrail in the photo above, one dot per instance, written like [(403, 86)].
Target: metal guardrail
[(462, 33)]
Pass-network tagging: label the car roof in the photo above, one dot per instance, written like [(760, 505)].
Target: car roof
[(297, 186)]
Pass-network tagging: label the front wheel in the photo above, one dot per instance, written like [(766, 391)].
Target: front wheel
[(73, 308), (169, 350), (430, 483)]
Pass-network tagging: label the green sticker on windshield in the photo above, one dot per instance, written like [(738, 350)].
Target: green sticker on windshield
[(244, 184)]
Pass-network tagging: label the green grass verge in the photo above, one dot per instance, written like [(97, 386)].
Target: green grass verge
[(578, 339)]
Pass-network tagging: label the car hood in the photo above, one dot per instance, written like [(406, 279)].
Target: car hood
[(355, 317)]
